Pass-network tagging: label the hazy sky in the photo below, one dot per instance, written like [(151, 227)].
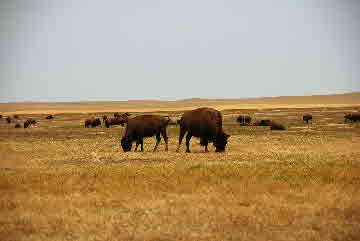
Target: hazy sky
[(66, 50)]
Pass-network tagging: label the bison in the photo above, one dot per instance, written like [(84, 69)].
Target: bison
[(17, 125), (29, 122), (114, 121), (93, 122), (352, 117), (15, 116), (262, 123), (8, 119), (273, 124), (307, 118), (206, 124), (244, 119), (49, 117), (1, 116), (144, 126)]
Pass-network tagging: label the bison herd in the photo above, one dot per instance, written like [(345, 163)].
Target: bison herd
[(203, 123)]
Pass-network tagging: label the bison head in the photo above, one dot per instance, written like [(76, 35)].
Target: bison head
[(126, 144), (220, 142)]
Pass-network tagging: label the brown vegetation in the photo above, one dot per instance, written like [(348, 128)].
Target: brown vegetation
[(63, 182)]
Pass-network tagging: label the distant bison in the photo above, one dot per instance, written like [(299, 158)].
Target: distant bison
[(205, 123), (244, 119), (352, 117), (262, 123), (29, 122), (93, 122), (144, 126), (273, 124), (1, 116), (49, 117), (277, 126), (8, 119), (114, 122), (307, 118), (17, 125), (16, 117)]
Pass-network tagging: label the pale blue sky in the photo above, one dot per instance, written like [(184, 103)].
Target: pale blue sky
[(70, 50)]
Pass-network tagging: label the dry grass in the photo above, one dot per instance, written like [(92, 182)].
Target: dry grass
[(60, 181)]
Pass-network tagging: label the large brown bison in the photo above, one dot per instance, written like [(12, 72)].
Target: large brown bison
[(205, 123), (29, 122), (16, 116), (244, 119), (307, 118), (144, 126), (1, 116), (352, 117), (49, 117)]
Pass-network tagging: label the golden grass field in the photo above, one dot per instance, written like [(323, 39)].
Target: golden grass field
[(61, 181)]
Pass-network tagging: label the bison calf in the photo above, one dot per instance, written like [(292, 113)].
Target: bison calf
[(144, 126), (205, 123)]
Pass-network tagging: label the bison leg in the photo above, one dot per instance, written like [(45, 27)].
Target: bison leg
[(158, 139), (205, 143), (141, 142), (188, 137), (137, 144), (163, 133), (181, 136)]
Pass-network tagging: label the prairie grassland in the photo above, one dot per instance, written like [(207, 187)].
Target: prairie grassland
[(60, 181)]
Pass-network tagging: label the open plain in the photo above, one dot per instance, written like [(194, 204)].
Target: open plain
[(61, 181)]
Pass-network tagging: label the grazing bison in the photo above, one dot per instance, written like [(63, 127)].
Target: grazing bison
[(262, 123), (205, 123), (114, 122), (16, 117), (1, 116), (352, 117), (273, 125), (17, 125), (96, 122), (277, 126), (307, 118), (49, 117), (29, 122), (244, 119), (144, 126), (93, 122), (8, 119)]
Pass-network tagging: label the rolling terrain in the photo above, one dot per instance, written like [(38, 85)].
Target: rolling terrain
[(61, 181)]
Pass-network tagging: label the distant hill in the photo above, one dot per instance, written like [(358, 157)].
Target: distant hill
[(348, 99)]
